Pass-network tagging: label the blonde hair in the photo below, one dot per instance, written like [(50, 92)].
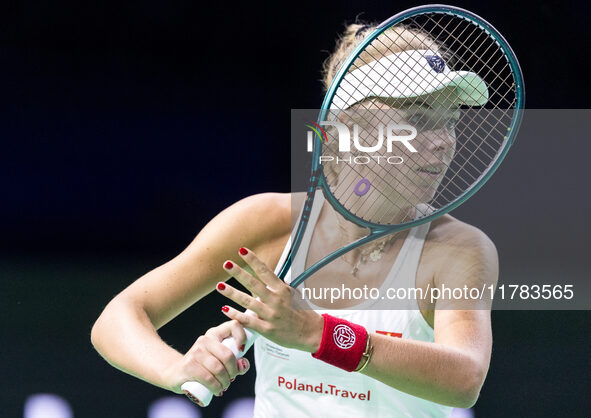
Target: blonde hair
[(398, 38)]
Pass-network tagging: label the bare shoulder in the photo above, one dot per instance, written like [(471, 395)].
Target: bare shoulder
[(461, 250), (255, 221), (267, 212), (450, 231)]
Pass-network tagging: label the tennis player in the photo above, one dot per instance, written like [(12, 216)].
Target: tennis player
[(368, 360)]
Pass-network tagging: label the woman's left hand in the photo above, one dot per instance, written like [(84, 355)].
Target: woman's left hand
[(271, 300)]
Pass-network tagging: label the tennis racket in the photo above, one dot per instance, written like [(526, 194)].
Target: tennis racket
[(444, 92)]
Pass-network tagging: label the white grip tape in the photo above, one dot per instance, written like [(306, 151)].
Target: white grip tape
[(199, 393)]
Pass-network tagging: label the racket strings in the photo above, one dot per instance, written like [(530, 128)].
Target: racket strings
[(373, 58), (392, 74), (347, 183), (478, 136), (471, 56), (450, 35), (368, 205), (392, 178)]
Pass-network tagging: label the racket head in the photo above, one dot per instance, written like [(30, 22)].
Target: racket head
[(503, 78), (467, 56)]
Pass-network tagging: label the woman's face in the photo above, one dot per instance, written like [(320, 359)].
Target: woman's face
[(415, 176)]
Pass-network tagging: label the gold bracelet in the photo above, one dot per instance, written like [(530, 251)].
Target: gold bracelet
[(366, 355)]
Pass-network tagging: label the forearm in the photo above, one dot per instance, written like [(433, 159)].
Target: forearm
[(436, 372), (126, 338)]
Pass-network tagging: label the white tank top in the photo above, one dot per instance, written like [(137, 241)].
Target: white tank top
[(291, 383)]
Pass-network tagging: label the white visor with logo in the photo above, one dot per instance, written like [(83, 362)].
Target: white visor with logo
[(409, 74)]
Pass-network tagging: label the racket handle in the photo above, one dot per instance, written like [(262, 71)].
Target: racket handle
[(198, 393)]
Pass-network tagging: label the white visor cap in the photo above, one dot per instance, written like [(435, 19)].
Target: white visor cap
[(408, 74)]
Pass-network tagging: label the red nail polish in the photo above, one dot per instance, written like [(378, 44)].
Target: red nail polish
[(225, 309), (225, 389), (221, 286), (228, 265), (243, 251), (221, 393), (231, 380), (241, 348)]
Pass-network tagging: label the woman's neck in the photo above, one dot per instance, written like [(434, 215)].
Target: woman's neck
[(340, 232)]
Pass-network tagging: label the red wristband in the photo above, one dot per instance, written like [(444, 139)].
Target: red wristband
[(343, 343)]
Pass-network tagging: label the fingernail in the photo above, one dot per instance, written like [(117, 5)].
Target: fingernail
[(221, 286), (231, 380), (228, 265), (225, 309), (225, 390), (241, 348), (221, 393), (242, 364), (243, 251)]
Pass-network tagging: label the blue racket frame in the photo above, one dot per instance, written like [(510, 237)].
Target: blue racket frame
[(318, 179)]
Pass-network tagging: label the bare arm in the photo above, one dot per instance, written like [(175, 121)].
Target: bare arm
[(449, 371), (126, 335)]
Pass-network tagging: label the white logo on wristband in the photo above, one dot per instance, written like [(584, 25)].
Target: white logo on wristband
[(343, 336)]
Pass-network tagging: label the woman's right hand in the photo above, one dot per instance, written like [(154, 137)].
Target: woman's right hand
[(209, 362)]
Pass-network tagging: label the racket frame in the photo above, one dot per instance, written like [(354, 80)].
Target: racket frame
[(318, 179)]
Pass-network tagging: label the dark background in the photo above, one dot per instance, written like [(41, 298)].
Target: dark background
[(126, 127)]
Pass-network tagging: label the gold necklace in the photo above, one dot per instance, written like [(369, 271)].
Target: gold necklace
[(373, 252)]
